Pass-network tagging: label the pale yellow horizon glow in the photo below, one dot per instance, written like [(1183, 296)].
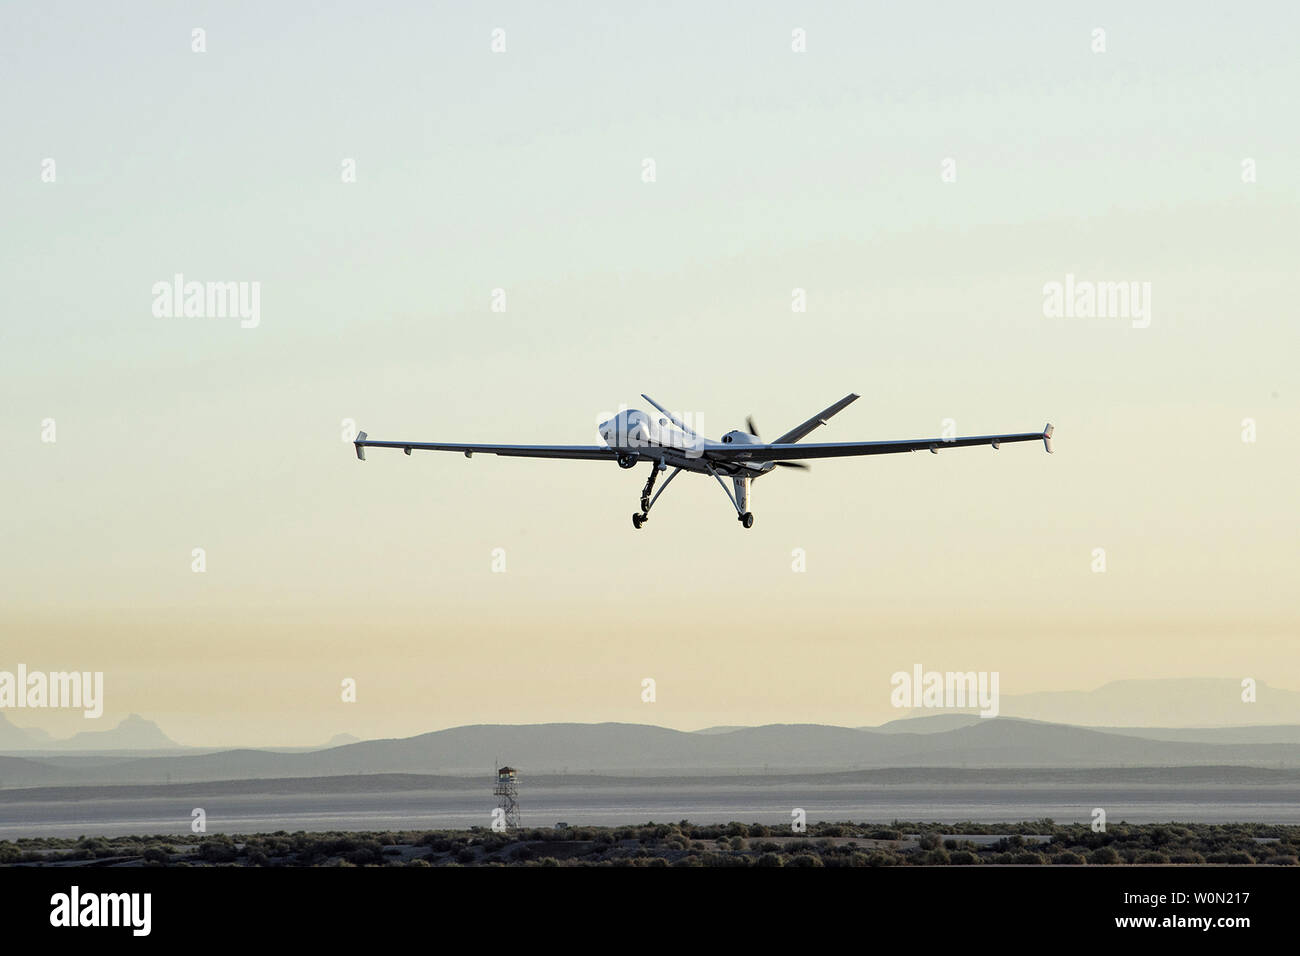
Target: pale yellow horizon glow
[(775, 172)]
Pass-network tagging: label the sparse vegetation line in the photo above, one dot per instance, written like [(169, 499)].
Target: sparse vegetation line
[(1034, 842)]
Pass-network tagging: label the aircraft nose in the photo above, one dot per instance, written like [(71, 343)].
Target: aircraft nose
[(618, 432)]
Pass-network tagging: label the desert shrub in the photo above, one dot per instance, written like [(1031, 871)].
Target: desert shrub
[(92, 848), (217, 850), (1103, 855), (365, 852), (1237, 858)]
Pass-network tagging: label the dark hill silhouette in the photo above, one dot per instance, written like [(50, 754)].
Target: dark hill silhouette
[(637, 748)]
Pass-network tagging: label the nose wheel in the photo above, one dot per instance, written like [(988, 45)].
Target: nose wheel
[(747, 519), (647, 502), (641, 517)]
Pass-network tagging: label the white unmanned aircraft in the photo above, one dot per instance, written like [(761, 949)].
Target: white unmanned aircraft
[(665, 441)]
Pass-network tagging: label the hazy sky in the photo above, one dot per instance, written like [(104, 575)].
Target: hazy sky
[(523, 171)]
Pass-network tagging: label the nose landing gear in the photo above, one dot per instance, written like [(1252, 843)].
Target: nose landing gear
[(641, 517), (747, 519)]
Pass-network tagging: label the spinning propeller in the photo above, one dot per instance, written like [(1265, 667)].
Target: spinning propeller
[(749, 423)]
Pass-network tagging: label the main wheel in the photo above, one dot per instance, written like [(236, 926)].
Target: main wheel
[(638, 519), (747, 519)]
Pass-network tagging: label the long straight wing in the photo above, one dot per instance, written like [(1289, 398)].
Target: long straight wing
[(789, 452), (587, 452)]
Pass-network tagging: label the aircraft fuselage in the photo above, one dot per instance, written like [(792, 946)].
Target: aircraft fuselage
[(650, 436)]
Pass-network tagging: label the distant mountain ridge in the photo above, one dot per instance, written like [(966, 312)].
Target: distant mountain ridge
[(1171, 702), (132, 733), (21, 738), (641, 749), (1183, 709)]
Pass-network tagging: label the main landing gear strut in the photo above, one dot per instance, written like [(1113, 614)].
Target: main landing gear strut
[(740, 499)]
